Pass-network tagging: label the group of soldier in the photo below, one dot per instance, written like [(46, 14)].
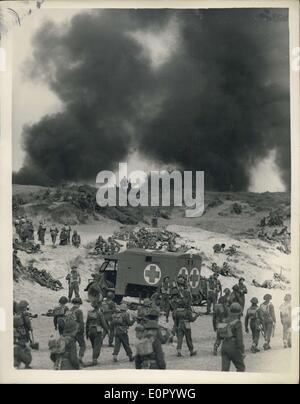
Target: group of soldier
[(25, 230), (109, 247)]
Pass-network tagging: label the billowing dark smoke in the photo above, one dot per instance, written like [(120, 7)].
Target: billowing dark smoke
[(223, 95)]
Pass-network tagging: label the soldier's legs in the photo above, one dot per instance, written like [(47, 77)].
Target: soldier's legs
[(180, 335), (217, 344), (96, 340), (22, 355), (82, 345), (76, 290), (126, 345), (71, 290), (189, 341), (111, 335), (286, 334), (117, 345), (268, 328), (255, 337), (238, 361), (225, 361)]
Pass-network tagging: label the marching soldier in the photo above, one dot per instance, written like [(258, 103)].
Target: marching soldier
[(183, 317), (109, 308), (68, 231), (41, 233), (74, 281), (95, 325), (286, 320), (165, 291), (59, 314), (221, 311), (267, 318), (64, 351), (252, 316), (235, 296), (213, 289), (76, 239), (53, 232), (121, 321), (76, 314), (242, 291), (233, 345), (63, 237), (149, 353)]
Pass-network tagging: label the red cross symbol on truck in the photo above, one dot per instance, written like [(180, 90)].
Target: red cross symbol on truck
[(152, 274), (194, 277)]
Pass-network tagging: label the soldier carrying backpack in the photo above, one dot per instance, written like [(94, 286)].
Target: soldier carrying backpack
[(252, 316), (59, 313), (183, 317), (22, 329), (63, 351), (149, 353), (95, 324), (267, 318), (76, 314), (231, 334), (122, 321), (221, 311)]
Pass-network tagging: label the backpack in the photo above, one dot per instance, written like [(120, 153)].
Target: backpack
[(224, 330), (144, 347), (74, 277), (57, 346), (252, 312), (59, 311), (265, 310), (70, 316), (19, 326)]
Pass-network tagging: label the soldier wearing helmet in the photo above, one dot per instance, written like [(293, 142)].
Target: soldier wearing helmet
[(95, 325), (22, 337), (221, 311), (253, 318), (233, 345), (122, 322), (109, 308), (268, 319), (214, 287)]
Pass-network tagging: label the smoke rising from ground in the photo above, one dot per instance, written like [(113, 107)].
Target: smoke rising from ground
[(218, 103)]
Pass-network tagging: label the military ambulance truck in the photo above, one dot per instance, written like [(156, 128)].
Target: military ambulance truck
[(138, 272)]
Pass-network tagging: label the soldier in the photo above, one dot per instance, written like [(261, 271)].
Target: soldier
[(22, 337), (183, 317), (267, 318), (30, 230), (41, 233), (24, 230), (235, 296), (213, 289), (218, 248), (121, 321), (183, 290), (63, 237), (59, 313), (76, 314), (68, 231), (242, 291), (74, 281), (76, 239), (233, 346), (149, 353), (95, 325), (165, 291), (221, 311), (286, 320), (252, 316), (64, 351), (109, 308), (53, 232)]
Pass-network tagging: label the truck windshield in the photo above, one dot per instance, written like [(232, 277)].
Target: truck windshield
[(108, 266)]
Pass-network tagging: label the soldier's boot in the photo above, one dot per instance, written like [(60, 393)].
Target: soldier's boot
[(28, 367), (193, 353), (131, 358), (285, 345), (179, 354), (115, 358), (266, 346)]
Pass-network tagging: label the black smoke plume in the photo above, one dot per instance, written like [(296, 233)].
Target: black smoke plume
[(219, 104)]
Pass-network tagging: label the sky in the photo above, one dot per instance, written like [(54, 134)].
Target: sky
[(161, 83)]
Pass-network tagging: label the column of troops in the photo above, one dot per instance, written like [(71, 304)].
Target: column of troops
[(106, 319)]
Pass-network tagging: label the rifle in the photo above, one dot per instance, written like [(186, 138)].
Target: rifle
[(261, 329)]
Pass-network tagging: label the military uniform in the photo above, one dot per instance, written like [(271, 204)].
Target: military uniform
[(253, 318), (213, 289), (63, 237), (59, 313), (74, 280), (286, 321), (76, 314), (76, 240), (165, 291), (109, 308), (22, 330), (242, 292), (95, 325), (149, 353), (233, 345), (53, 232), (183, 318), (267, 318), (122, 322), (41, 233), (221, 311)]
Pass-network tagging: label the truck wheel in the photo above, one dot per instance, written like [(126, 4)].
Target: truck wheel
[(118, 299)]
